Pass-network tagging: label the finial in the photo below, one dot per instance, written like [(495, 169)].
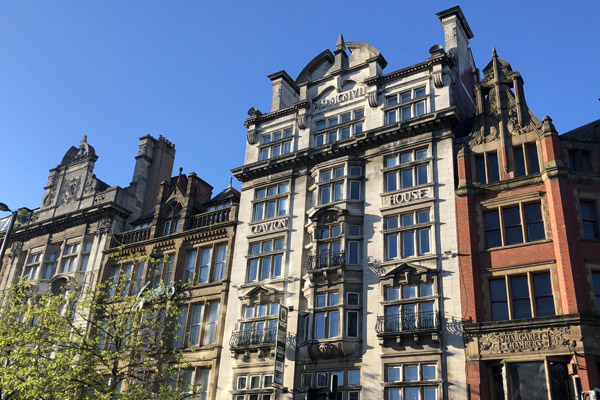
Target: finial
[(180, 170), (494, 54), (340, 44), (230, 181), (84, 140)]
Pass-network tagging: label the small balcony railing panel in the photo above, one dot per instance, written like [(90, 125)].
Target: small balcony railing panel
[(326, 260), (134, 236), (211, 218), (254, 337), (408, 322)]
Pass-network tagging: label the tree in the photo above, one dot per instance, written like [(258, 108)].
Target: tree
[(76, 343)]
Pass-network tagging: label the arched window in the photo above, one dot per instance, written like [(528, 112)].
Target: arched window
[(172, 219)]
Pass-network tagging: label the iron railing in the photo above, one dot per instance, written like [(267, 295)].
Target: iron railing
[(408, 322), (326, 260), (253, 337)]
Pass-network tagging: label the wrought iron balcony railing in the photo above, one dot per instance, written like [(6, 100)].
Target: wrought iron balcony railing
[(326, 260), (408, 322), (253, 337)]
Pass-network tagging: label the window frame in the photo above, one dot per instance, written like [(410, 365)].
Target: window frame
[(502, 226), (401, 233), (286, 137), (335, 128), (399, 104), (259, 257), (394, 169), (262, 202), (195, 274)]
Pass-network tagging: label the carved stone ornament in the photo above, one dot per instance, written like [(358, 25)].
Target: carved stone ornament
[(99, 198), (142, 149), (71, 189), (252, 136), (373, 99), (89, 183), (525, 340), (104, 226), (301, 120), (438, 80), (15, 249), (49, 198)]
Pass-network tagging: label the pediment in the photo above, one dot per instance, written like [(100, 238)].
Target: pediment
[(259, 291), (404, 272), (327, 215)]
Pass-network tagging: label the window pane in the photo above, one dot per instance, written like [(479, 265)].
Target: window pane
[(253, 270), (532, 158), (353, 298), (331, 137), (391, 161), (426, 289), (405, 113), (391, 223), (265, 268), (390, 117), (422, 217), (346, 118), (424, 246), (411, 373), (353, 253), (498, 298), (520, 294), (407, 178), (319, 140), (420, 108), (390, 181), (354, 377), (405, 96), (527, 380), (492, 229), (408, 219), (406, 158), (392, 293), (392, 247), (393, 100), (430, 393), (421, 174), (519, 161), (334, 319), (319, 325), (352, 323), (535, 223), (282, 209), (325, 194), (544, 301), (354, 230), (588, 219), (480, 170), (393, 374), (408, 244), (394, 394), (338, 191), (321, 300), (493, 170), (259, 211), (409, 291), (512, 221), (429, 372), (277, 265), (354, 190)]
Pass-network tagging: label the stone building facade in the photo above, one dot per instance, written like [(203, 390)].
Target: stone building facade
[(189, 234), (528, 248), (64, 238), (347, 220)]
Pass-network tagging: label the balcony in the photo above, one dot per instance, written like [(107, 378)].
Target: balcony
[(326, 260), (137, 235), (211, 218), (243, 340), (407, 324)]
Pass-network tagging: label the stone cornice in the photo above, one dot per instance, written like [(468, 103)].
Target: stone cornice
[(530, 323), (409, 70), (432, 121), (276, 114)]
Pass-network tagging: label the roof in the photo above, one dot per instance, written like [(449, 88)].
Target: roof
[(227, 194), (588, 132)]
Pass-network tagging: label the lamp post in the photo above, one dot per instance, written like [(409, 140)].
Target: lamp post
[(13, 219)]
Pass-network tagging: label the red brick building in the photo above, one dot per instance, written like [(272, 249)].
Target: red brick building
[(529, 250)]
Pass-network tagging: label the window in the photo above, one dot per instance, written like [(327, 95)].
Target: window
[(486, 168), (265, 260), (276, 143), (421, 377), (405, 105), (580, 161), (126, 280), (589, 221), (172, 219), (519, 303), (503, 226), (200, 262), (199, 320), (259, 326), (85, 256), (338, 127), (526, 159), (69, 258), (403, 315), (253, 384), (327, 316), (339, 183), (50, 268), (596, 283), (407, 235), (162, 274), (406, 170), (32, 268), (270, 202)]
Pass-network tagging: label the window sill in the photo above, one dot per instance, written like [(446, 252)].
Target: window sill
[(513, 246)]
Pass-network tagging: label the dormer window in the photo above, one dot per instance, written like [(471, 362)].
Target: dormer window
[(172, 220)]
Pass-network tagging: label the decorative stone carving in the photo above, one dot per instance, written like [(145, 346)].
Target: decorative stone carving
[(301, 120), (99, 198), (252, 136), (438, 80), (49, 198), (524, 340), (89, 183), (104, 226), (70, 190), (373, 99), (270, 226), (15, 249)]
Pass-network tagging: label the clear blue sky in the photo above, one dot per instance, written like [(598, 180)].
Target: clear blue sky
[(190, 70)]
